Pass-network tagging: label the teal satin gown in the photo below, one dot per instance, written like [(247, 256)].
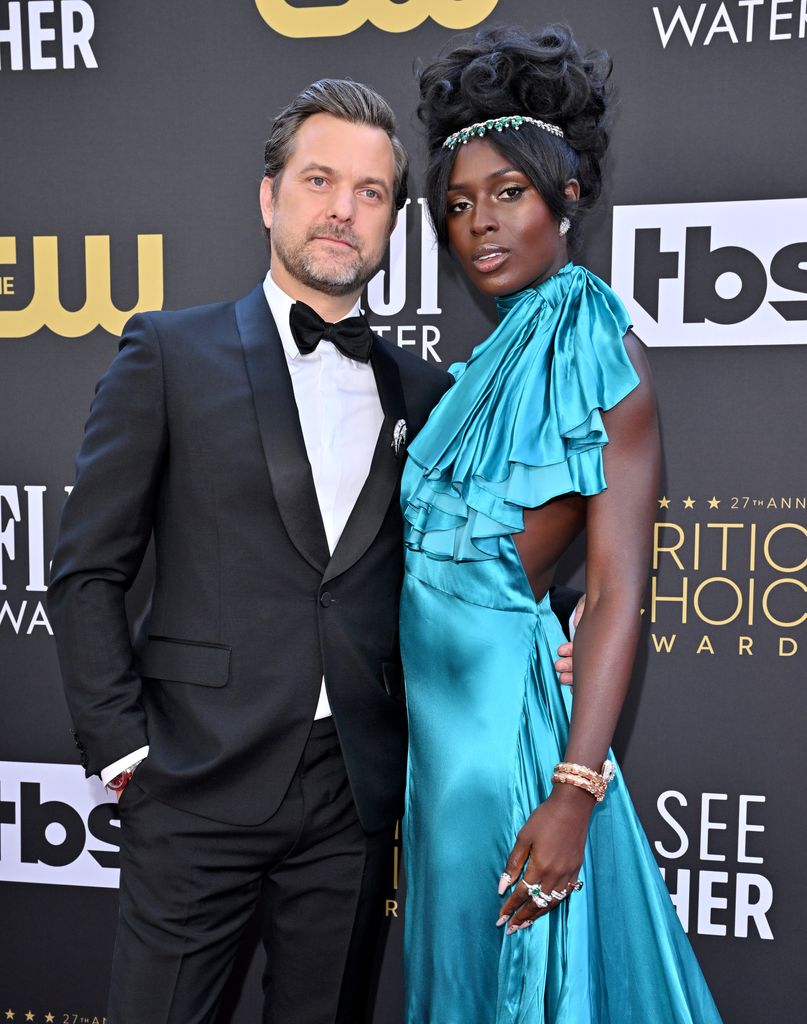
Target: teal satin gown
[(488, 719)]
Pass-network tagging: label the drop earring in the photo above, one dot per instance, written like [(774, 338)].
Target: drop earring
[(564, 226)]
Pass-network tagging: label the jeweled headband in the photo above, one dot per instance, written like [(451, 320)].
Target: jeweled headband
[(498, 124)]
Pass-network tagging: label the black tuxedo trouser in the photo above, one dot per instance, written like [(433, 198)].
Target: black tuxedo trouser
[(189, 886)]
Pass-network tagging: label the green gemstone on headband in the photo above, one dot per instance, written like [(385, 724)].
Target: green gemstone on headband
[(499, 123)]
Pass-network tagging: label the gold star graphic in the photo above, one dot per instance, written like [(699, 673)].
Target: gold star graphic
[(714, 502), (9, 1015), (49, 1018), (689, 502), (29, 1015), (664, 502)]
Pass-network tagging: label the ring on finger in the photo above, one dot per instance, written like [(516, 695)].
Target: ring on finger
[(559, 895), (576, 885), (540, 901), (533, 888)]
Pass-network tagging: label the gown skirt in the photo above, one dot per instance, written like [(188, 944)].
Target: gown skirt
[(489, 720)]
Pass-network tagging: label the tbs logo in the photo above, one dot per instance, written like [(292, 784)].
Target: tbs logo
[(714, 273), (56, 827)]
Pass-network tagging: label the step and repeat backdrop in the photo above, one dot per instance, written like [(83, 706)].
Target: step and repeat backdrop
[(131, 153)]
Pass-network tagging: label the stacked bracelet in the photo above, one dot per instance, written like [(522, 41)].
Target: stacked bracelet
[(585, 778)]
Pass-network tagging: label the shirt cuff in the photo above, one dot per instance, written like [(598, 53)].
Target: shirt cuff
[(572, 627), (122, 764)]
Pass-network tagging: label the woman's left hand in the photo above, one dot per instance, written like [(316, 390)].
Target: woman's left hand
[(552, 843)]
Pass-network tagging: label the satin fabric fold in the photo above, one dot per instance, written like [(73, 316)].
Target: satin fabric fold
[(488, 718), (525, 424)]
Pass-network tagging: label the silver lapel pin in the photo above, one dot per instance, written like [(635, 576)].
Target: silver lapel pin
[(399, 436)]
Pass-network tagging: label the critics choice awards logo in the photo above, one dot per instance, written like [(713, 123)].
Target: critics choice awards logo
[(730, 273), (728, 576)]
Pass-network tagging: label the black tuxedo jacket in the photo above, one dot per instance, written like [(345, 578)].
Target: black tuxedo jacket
[(194, 438)]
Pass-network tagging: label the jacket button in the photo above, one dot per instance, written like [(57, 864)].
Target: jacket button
[(326, 600)]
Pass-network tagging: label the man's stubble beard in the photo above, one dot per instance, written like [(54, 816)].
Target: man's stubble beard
[(317, 272)]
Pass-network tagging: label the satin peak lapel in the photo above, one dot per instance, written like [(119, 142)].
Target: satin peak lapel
[(386, 467), (279, 425)]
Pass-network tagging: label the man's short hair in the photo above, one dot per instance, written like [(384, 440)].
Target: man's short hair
[(349, 101)]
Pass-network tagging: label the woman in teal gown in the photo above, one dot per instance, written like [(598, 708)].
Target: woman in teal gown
[(549, 428)]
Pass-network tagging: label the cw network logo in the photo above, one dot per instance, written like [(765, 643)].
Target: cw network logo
[(56, 826), (731, 273), (341, 19), (45, 308)]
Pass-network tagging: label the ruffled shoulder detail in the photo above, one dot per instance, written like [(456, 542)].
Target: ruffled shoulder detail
[(522, 423)]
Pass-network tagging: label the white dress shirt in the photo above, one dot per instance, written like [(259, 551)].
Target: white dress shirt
[(341, 416)]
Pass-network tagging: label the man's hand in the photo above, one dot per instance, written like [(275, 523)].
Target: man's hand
[(563, 666)]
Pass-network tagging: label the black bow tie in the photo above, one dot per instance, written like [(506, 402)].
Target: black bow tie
[(352, 336)]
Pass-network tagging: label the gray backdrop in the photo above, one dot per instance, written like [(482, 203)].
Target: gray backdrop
[(142, 124)]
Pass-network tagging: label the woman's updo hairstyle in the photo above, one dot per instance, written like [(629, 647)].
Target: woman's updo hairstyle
[(507, 70)]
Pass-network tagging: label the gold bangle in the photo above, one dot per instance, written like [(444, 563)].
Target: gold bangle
[(577, 780), (579, 775)]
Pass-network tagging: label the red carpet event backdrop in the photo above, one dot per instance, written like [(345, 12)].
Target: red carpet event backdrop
[(132, 137)]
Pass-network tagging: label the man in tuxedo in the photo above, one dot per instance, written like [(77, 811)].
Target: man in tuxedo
[(255, 730)]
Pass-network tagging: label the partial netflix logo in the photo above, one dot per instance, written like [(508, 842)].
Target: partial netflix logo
[(56, 826), (730, 273)]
